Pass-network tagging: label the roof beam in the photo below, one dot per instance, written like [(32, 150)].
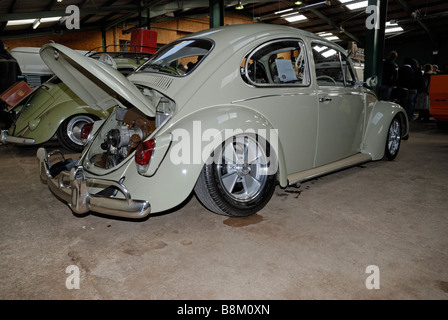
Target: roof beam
[(157, 10), (119, 20), (107, 4), (334, 25), (58, 13), (308, 7), (419, 21), (26, 34), (13, 6)]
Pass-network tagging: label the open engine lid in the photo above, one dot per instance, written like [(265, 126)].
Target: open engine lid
[(98, 84)]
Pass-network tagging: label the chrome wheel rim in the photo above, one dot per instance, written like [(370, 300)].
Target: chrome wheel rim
[(74, 127), (242, 169), (394, 137)]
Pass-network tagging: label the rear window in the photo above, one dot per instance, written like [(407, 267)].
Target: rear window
[(179, 58)]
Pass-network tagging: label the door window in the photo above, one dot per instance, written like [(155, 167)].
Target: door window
[(332, 67)]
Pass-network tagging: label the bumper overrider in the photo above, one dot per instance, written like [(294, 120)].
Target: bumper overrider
[(72, 187)]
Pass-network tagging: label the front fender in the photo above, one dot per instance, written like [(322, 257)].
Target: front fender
[(382, 114)]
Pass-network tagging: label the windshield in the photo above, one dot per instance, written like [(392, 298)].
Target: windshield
[(178, 58)]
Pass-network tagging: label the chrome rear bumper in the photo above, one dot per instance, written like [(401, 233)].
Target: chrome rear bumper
[(72, 187), (5, 138)]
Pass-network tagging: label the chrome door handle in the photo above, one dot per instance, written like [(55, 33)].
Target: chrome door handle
[(324, 99)]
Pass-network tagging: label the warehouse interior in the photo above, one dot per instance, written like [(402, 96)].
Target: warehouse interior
[(313, 241), (111, 22)]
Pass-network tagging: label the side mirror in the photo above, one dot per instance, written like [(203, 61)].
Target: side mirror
[(372, 81)]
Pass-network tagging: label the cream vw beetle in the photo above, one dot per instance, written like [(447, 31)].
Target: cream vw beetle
[(227, 113)]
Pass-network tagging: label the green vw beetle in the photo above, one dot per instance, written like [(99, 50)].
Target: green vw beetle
[(53, 111)]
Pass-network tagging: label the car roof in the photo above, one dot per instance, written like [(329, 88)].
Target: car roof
[(241, 34)]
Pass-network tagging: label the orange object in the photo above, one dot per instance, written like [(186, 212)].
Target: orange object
[(438, 96), (16, 93), (145, 40)]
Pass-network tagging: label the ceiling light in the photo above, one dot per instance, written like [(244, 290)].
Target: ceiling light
[(332, 38), (396, 29), (283, 11), (289, 14), (391, 23), (295, 18), (298, 3), (50, 19), (329, 53), (239, 6), (319, 49), (20, 22), (355, 5), (36, 23)]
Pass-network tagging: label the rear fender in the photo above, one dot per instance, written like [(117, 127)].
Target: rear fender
[(208, 128), (194, 137), (44, 127)]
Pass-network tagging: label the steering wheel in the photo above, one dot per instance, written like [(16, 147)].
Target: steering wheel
[(327, 77)]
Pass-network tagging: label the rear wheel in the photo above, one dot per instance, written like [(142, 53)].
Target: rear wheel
[(393, 139), (239, 182), (69, 132)]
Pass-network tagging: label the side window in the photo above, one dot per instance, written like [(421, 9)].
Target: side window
[(277, 63), (332, 67)]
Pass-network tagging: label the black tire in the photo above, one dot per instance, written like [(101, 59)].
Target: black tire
[(237, 188), (393, 140), (69, 132)]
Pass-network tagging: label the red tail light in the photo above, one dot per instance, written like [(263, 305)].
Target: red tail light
[(144, 152), (85, 130)]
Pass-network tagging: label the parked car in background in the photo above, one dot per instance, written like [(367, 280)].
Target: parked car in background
[(227, 113), (53, 111), (125, 58), (34, 70), (438, 97)]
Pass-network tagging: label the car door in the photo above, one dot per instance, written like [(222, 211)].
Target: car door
[(340, 105), (278, 73)]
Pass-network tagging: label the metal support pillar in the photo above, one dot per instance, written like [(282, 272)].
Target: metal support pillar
[(375, 37), (216, 12), (103, 37), (381, 40)]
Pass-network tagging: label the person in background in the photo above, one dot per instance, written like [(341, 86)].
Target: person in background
[(390, 75), (435, 69), (404, 83), (412, 93), (423, 102), (9, 69)]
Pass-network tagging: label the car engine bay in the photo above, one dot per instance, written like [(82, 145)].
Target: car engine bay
[(131, 129)]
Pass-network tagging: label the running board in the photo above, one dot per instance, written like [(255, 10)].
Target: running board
[(328, 168)]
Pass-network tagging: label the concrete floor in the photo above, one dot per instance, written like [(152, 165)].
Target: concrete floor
[(309, 243)]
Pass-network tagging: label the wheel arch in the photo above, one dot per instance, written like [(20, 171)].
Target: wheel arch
[(377, 127), (50, 120), (201, 124)]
